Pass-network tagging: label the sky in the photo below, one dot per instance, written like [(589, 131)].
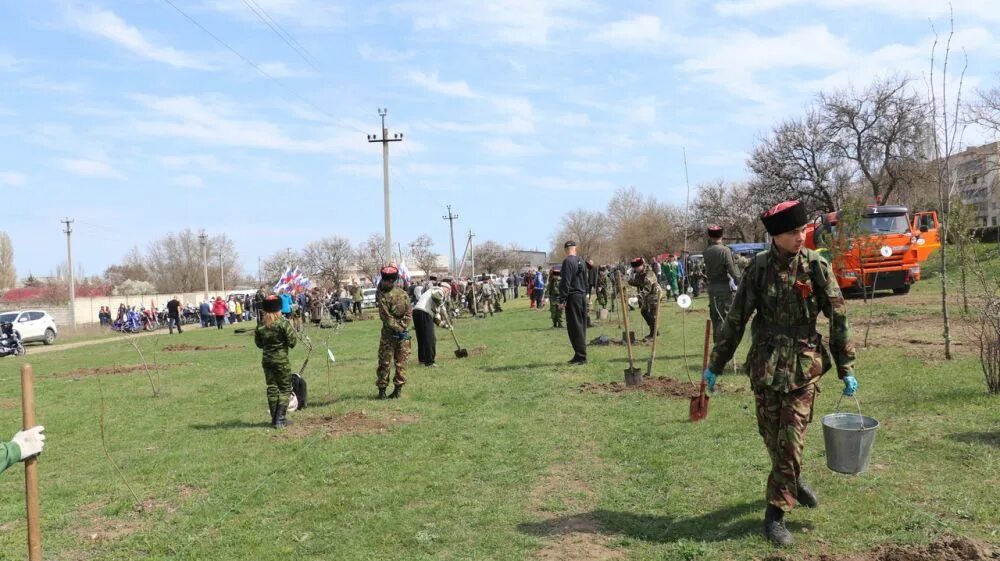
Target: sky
[(130, 118)]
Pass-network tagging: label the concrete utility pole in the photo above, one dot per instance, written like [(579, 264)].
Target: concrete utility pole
[(451, 218), (222, 266), (204, 257), (385, 140), (472, 279), (69, 264)]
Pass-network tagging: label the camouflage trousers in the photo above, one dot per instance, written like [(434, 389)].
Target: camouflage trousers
[(602, 300), (556, 313), (781, 420), (278, 377), (719, 301), (649, 312), (391, 351)]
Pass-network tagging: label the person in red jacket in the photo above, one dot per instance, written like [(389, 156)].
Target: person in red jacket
[(219, 309)]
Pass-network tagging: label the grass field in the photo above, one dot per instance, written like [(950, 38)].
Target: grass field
[(498, 456)]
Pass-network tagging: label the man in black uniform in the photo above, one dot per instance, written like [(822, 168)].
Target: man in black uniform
[(174, 315), (573, 293), (719, 267)]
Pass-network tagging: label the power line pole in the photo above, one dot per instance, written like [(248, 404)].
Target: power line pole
[(472, 279), (204, 257), (69, 264), (451, 218), (222, 266), (385, 140)]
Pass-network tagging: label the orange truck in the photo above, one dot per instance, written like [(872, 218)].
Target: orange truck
[(889, 257)]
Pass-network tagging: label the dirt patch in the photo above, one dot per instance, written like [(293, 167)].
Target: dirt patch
[(354, 422), (660, 386), (185, 347), (478, 350), (944, 549), (8, 403), (89, 525), (113, 370)]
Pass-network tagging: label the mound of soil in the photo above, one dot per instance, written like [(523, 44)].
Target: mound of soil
[(116, 369), (185, 347), (354, 422), (944, 549), (661, 386)]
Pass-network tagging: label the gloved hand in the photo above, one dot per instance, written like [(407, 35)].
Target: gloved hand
[(402, 336), (709, 378), (30, 441), (850, 385)]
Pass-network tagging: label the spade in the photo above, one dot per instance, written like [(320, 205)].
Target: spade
[(699, 403), (633, 376)]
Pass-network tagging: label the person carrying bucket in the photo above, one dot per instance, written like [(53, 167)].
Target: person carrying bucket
[(787, 287)]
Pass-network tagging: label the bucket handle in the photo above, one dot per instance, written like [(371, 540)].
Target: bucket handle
[(858, 404)]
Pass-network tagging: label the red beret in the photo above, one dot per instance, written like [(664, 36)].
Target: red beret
[(637, 262), (714, 231), (389, 270), (784, 217)]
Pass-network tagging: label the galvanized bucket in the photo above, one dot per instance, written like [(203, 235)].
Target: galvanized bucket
[(848, 438)]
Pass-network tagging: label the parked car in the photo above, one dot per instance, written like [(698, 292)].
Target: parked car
[(368, 297), (33, 325)]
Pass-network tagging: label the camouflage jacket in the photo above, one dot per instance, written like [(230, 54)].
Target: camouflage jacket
[(275, 340), (648, 287), (604, 284), (787, 294), (395, 310), (553, 291)]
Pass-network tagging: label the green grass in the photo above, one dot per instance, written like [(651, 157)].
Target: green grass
[(503, 454)]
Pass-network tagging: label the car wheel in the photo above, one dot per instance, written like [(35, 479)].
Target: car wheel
[(902, 290), (50, 336)]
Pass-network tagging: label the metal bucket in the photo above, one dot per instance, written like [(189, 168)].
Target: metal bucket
[(848, 438)]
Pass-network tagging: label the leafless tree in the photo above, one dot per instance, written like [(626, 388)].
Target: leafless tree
[(984, 110), (8, 274), (132, 267), (880, 131), (370, 255), (175, 263), (591, 232), (327, 259), (492, 257), (422, 252), (732, 206)]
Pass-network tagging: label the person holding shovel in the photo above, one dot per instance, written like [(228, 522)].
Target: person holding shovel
[(649, 291), (274, 336), (24, 444), (787, 287), (429, 311)]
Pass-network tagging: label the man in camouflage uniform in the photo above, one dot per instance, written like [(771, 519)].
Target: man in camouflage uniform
[(785, 289), (719, 267), (603, 288), (396, 313), (649, 292), (554, 294)]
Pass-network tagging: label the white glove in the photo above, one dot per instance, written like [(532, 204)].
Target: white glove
[(30, 441)]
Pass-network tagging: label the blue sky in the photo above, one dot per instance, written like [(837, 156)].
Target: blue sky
[(127, 117)]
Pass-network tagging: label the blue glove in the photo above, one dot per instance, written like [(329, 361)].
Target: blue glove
[(709, 378), (402, 336), (850, 385)]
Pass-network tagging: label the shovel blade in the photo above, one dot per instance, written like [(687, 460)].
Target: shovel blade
[(633, 377), (699, 408), (461, 353)]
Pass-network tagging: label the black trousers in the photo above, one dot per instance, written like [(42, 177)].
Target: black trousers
[(576, 324), (174, 320), (423, 323)]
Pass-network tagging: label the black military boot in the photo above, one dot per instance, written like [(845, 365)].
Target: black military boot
[(806, 496), (396, 392), (274, 414), (281, 420), (774, 527), (381, 393)]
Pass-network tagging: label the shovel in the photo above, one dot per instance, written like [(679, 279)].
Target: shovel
[(459, 351), (633, 376), (699, 404)]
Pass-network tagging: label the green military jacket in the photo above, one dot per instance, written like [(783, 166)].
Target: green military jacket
[(395, 310), (10, 454), (649, 288), (670, 271), (275, 340), (720, 264), (604, 284), (553, 291), (787, 294)]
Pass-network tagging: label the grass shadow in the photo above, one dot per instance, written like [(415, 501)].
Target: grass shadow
[(231, 424), (513, 367), (986, 438), (732, 522)]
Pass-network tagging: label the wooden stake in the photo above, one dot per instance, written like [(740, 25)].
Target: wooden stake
[(31, 467)]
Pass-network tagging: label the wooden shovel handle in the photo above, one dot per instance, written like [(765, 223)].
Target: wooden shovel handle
[(628, 338), (708, 337), (31, 467)]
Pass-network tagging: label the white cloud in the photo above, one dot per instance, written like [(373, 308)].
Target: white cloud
[(188, 180), (281, 70), (432, 83), (12, 178), (90, 168), (670, 139), (564, 184), (205, 162), (595, 167), (433, 170), (508, 148), (372, 53), (519, 22), (108, 25), (8, 63), (43, 84), (301, 13), (978, 10), (361, 170), (636, 32)]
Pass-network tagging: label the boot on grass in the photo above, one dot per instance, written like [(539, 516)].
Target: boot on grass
[(381, 393), (396, 392), (774, 527), (281, 420), (806, 496)]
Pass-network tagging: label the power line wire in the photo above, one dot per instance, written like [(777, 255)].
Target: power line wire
[(258, 68), (258, 11), (285, 35)]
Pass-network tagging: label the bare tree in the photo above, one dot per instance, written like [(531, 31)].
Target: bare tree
[(132, 267), (880, 131), (797, 161), (327, 259), (422, 252), (370, 255), (175, 263), (8, 274), (591, 232), (732, 206), (985, 109), (492, 257)]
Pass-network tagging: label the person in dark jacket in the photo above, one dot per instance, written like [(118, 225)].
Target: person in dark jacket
[(573, 294)]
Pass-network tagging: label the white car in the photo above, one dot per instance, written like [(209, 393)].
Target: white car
[(368, 297), (33, 325)]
